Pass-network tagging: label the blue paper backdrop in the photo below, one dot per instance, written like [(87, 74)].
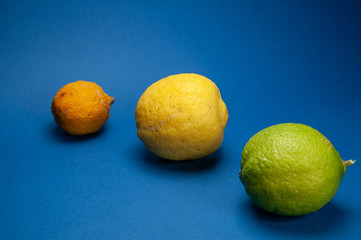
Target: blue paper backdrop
[(273, 61)]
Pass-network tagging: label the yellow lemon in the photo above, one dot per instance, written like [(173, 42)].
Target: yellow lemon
[(181, 117), (81, 107)]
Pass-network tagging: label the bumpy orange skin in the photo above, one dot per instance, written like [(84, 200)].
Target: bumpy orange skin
[(81, 107)]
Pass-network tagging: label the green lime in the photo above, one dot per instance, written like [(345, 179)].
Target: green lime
[(291, 169)]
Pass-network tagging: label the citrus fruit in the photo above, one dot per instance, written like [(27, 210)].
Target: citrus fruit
[(181, 117), (81, 107), (291, 169)]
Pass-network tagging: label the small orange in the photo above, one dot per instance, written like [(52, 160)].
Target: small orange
[(81, 107)]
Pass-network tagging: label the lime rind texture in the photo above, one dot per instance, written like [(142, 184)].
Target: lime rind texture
[(290, 169)]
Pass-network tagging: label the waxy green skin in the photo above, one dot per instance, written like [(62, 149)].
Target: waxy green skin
[(291, 169)]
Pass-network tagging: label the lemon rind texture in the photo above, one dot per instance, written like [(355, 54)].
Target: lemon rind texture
[(181, 117)]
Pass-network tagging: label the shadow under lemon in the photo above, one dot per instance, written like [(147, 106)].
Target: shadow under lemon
[(151, 160)]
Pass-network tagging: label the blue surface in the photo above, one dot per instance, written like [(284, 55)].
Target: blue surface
[(274, 62)]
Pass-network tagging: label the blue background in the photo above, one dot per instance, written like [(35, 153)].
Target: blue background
[(273, 61)]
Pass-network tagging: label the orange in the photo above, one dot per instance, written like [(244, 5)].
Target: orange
[(81, 107)]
